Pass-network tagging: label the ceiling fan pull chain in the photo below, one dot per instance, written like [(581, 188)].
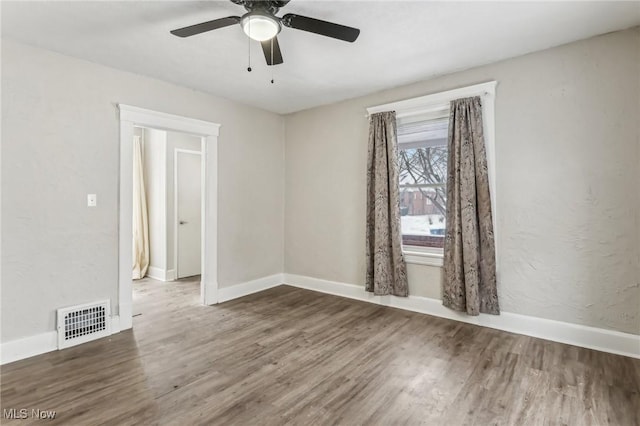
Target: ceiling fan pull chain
[(272, 61), (249, 45)]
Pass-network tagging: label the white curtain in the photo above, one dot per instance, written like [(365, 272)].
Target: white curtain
[(140, 216)]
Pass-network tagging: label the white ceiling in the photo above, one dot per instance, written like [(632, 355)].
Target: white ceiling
[(400, 42)]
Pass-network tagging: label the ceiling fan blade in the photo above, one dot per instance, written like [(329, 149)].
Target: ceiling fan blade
[(277, 55), (317, 26), (206, 26)]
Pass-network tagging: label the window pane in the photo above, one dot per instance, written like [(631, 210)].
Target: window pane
[(423, 172), (422, 215), (423, 165)]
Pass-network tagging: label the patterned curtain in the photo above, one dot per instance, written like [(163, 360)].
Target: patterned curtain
[(469, 250), (386, 270)]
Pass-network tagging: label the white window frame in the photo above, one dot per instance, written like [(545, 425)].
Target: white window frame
[(436, 101)]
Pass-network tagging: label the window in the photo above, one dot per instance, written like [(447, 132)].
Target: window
[(422, 152), (422, 125)]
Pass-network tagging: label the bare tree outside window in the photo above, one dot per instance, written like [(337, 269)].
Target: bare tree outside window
[(425, 169)]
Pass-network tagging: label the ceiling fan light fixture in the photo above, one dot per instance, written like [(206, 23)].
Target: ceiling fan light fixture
[(260, 26)]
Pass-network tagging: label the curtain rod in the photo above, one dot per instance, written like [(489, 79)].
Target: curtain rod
[(418, 112), (424, 102)]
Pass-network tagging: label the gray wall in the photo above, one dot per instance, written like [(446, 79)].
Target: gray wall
[(60, 133), (568, 173), (567, 155)]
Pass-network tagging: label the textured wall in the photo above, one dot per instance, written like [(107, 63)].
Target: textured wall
[(567, 154), (60, 133)]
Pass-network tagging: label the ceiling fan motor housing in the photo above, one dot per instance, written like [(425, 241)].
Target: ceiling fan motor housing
[(260, 25)]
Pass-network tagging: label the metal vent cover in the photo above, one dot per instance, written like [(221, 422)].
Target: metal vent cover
[(83, 323)]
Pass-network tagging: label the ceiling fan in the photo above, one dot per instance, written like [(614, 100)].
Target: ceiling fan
[(260, 23)]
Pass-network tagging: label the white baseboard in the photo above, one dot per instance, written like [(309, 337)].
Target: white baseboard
[(15, 350), (115, 324), (156, 273), (558, 331), (574, 334), (161, 274), (244, 289)]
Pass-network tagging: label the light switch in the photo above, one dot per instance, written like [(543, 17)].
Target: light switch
[(92, 200)]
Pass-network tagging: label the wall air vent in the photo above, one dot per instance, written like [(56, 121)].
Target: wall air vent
[(83, 323)]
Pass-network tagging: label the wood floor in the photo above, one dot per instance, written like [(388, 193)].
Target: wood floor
[(292, 356)]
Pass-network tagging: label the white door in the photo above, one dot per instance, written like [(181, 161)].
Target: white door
[(188, 209)]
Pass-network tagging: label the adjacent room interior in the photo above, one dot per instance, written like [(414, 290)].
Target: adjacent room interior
[(166, 212), (320, 212)]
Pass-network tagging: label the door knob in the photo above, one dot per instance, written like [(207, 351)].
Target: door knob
[(182, 222)]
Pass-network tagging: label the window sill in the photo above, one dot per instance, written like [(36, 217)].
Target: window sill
[(420, 256)]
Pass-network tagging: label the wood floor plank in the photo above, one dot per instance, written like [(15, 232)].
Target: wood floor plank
[(292, 356)]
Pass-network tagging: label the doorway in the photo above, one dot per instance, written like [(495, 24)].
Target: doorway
[(131, 117)]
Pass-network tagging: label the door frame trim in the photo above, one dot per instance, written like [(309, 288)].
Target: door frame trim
[(131, 116), (203, 166)]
